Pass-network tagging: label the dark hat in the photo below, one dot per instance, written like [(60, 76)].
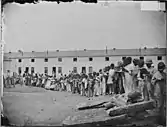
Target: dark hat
[(161, 65), (136, 61), (129, 59), (141, 63)]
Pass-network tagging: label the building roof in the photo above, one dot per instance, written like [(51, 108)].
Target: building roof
[(88, 53)]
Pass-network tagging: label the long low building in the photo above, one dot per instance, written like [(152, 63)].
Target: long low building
[(81, 60)]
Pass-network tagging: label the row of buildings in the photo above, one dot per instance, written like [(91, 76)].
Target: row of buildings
[(81, 60)]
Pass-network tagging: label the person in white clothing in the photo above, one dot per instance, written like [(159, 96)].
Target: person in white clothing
[(104, 82), (128, 69), (110, 83)]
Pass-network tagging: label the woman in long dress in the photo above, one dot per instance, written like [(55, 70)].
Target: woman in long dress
[(97, 85), (104, 83), (128, 82)]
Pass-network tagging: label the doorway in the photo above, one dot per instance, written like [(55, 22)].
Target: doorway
[(27, 70), (53, 70), (83, 69)]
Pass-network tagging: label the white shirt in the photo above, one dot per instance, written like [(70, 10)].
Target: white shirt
[(129, 67), (110, 76)]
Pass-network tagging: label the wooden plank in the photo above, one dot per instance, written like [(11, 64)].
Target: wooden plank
[(91, 105), (147, 121), (109, 105), (92, 118), (141, 106)]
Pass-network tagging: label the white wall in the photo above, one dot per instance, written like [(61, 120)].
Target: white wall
[(67, 64)]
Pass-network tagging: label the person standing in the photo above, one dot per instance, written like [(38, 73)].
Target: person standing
[(97, 85), (111, 86), (159, 82), (143, 80), (128, 68), (104, 82), (83, 85), (118, 78), (101, 77), (152, 71), (134, 73)]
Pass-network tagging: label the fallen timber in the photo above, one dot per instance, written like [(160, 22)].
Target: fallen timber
[(141, 106), (118, 100), (119, 113), (91, 105), (98, 117), (93, 118)]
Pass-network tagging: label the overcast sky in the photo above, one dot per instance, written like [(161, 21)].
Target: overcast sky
[(71, 26)]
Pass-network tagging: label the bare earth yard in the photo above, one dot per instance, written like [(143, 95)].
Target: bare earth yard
[(37, 106)]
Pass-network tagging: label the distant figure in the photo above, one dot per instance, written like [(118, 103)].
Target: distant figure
[(104, 83), (97, 85), (100, 76), (110, 84)]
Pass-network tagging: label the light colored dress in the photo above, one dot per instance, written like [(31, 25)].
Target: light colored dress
[(103, 84), (48, 83), (96, 86), (134, 74), (128, 81)]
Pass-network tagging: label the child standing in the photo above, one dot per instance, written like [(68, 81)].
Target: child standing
[(97, 85), (110, 83)]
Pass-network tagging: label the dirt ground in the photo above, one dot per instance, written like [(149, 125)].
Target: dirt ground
[(37, 106)]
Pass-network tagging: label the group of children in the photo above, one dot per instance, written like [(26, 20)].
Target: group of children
[(126, 76)]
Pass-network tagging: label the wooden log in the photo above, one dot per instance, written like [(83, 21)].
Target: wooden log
[(93, 118), (134, 95), (131, 108), (91, 105), (109, 105)]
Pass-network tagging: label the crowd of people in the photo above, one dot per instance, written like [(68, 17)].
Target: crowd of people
[(126, 76)]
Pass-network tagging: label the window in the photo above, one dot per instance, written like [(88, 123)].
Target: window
[(75, 69), (19, 70), (32, 70), (46, 70), (106, 58), (90, 69), (83, 69), (54, 70), (32, 60), (46, 59), (159, 57), (75, 59), (59, 69), (90, 59), (60, 59), (141, 58), (27, 70), (19, 60)]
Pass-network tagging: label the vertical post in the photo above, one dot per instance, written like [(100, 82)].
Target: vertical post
[(106, 50), (2, 49), (2, 85)]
